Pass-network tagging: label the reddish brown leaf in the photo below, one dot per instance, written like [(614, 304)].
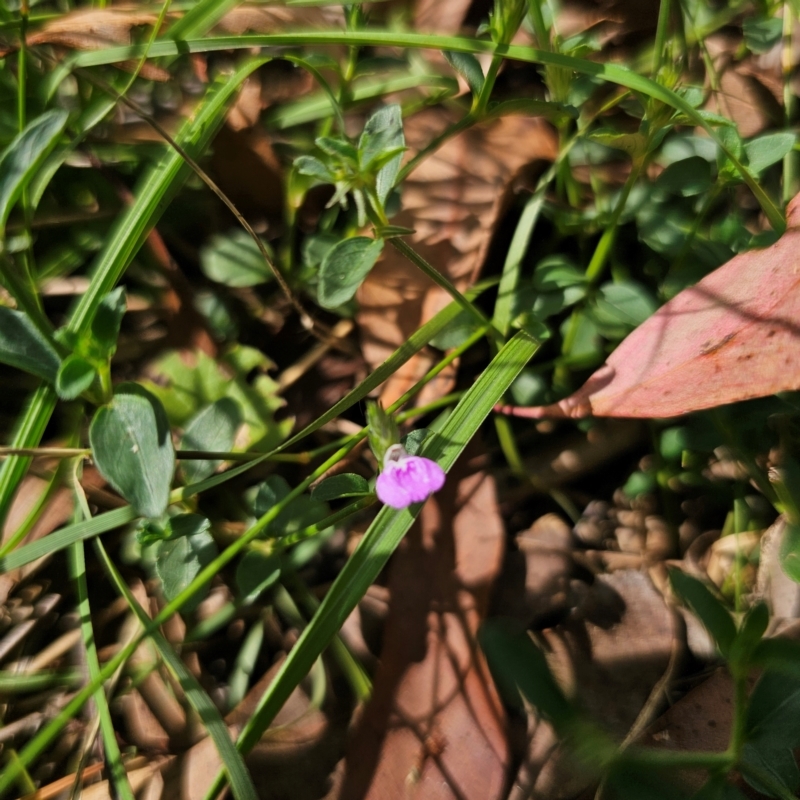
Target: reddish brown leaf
[(733, 336), (434, 728)]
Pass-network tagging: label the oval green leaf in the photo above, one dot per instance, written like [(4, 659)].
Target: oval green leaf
[(75, 376), (132, 448), (344, 268), (347, 484)]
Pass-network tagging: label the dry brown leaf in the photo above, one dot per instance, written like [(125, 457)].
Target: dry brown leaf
[(743, 94), (452, 201), (610, 654), (434, 727), (57, 512), (535, 584), (96, 29)]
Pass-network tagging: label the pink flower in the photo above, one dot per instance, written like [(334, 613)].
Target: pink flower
[(407, 479)]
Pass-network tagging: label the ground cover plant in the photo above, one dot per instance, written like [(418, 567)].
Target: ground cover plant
[(400, 400)]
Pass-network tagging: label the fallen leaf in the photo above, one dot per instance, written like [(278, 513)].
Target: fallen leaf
[(609, 654), (452, 202), (434, 727), (731, 337)]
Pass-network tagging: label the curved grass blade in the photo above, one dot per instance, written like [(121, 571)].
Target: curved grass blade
[(118, 775), (383, 537), (23, 157), (240, 780), (613, 73)]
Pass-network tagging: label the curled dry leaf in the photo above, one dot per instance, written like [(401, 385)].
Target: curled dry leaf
[(95, 29), (731, 337), (451, 201)]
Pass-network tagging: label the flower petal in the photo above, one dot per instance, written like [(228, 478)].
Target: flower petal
[(409, 480)]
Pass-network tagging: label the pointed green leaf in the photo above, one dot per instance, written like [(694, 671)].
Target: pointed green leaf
[(189, 548), (468, 67), (23, 346), (345, 485), (709, 610), (107, 321), (23, 157), (383, 133)]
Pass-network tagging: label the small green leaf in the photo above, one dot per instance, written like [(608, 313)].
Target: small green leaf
[(189, 548), (528, 107), (383, 132), (381, 430), (556, 272), (634, 144), (23, 346), (23, 157), (620, 307), (234, 259), (314, 168), (75, 376), (132, 448), (270, 493), (214, 429), (767, 150), (107, 320), (468, 67), (761, 35), (256, 573), (457, 332), (778, 765), (344, 268), (338, 148), (414, 441), (709, 610), (686, 178), (345, 485)]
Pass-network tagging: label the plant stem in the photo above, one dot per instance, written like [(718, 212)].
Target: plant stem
[(790, 104)]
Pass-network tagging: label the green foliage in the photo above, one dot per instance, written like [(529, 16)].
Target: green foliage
[(213, 428), (186, 548), (256, 573), (193, 386), (75, 375), (23, 346), (344, 268), (235, 260), (589, 261), (132, 448), (337, 486), (23, 157), (708, 608)]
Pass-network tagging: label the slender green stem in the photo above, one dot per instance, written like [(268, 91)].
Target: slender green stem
[(606, 243), (467, 121), (418, 261), (660, 44), (791, 184)]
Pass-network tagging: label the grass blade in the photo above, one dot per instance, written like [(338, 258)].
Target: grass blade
[(614, 73), (241, 783), (383, 536)]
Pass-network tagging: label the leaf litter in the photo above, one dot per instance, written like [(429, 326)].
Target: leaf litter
[(594, 595)]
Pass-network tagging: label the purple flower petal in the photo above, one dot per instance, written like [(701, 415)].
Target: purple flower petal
[(407, 480)]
